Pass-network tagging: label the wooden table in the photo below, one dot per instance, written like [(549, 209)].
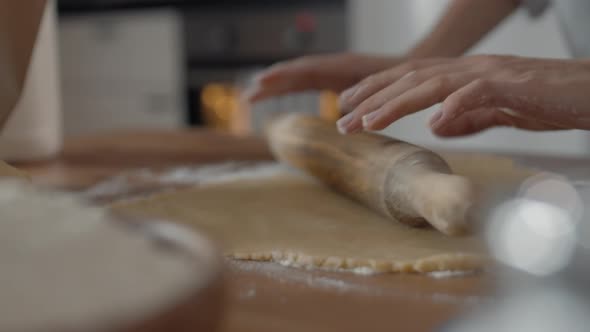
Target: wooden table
[(265, 296)]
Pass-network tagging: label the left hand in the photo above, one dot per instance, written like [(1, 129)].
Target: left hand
[(476, 92)]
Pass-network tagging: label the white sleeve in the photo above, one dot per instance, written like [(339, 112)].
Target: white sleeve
[(536, 8)]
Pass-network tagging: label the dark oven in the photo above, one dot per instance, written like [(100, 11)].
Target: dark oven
[(227, 43)]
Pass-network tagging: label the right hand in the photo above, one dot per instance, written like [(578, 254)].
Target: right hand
[(335, 72)]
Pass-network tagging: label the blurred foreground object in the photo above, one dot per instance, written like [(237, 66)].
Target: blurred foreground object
[(33, 129), (540, 238), (69, 266), (252, 118)]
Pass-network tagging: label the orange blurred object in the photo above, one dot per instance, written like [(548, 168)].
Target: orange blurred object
[(223, 109)]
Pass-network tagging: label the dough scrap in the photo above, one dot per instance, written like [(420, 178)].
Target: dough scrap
[(287, 217)]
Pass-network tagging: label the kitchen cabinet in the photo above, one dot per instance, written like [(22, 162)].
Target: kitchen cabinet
[(121, 70)]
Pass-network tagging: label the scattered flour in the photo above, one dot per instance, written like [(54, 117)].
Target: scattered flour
[(224, 172), (289, 275), (450, 274), (146, 182), (288, 270)]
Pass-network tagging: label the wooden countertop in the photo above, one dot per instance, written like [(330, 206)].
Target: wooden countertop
[(266, 296)]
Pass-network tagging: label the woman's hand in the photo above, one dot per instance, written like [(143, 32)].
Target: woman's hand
[(331, 72), (476, 92)]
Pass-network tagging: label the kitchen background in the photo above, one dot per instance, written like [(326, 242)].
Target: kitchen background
[(168, 64)]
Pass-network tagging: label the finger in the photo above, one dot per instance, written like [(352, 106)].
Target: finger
[(477, 120), (333, 72), (500, 95), (535, 98), (276, 71), (280, 80), (374, 83), (471, 122), (479, 93), (403, 85), (353, 121), (423, 96), (259, 92), (307, 73), (519, 120), (306, 70)]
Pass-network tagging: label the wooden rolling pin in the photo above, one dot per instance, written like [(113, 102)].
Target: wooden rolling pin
[(399, 180)]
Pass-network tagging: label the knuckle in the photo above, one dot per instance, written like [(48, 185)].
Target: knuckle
[(370, 81), (506, 73), (413, 78), (390, 109), (478, 93), (372, 103), (397, 105), (410, 66), (480, 85), (452, 104), (488, 61), (362, 110), (455, 103)]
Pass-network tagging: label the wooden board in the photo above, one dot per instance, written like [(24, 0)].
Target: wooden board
[(266, 296)]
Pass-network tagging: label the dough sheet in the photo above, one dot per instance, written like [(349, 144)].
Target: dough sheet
[(288, 217)]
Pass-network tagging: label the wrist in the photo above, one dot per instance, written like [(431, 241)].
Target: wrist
[(431, 47)]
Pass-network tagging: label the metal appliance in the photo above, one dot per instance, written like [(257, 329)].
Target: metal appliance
[(539, 236)]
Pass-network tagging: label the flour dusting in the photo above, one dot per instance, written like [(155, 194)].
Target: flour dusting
[(220, 173), (144, 182), (316, 279), (450, 274)]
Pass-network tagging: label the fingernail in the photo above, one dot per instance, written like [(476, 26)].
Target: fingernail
[(347, 125), (368, 119), (435, 117), (343, 123), (347, 94)]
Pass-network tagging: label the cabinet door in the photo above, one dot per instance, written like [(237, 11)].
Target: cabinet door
[(122, 70), (103, 107)]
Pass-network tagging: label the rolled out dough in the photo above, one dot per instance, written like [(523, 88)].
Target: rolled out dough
[(288, 217)]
